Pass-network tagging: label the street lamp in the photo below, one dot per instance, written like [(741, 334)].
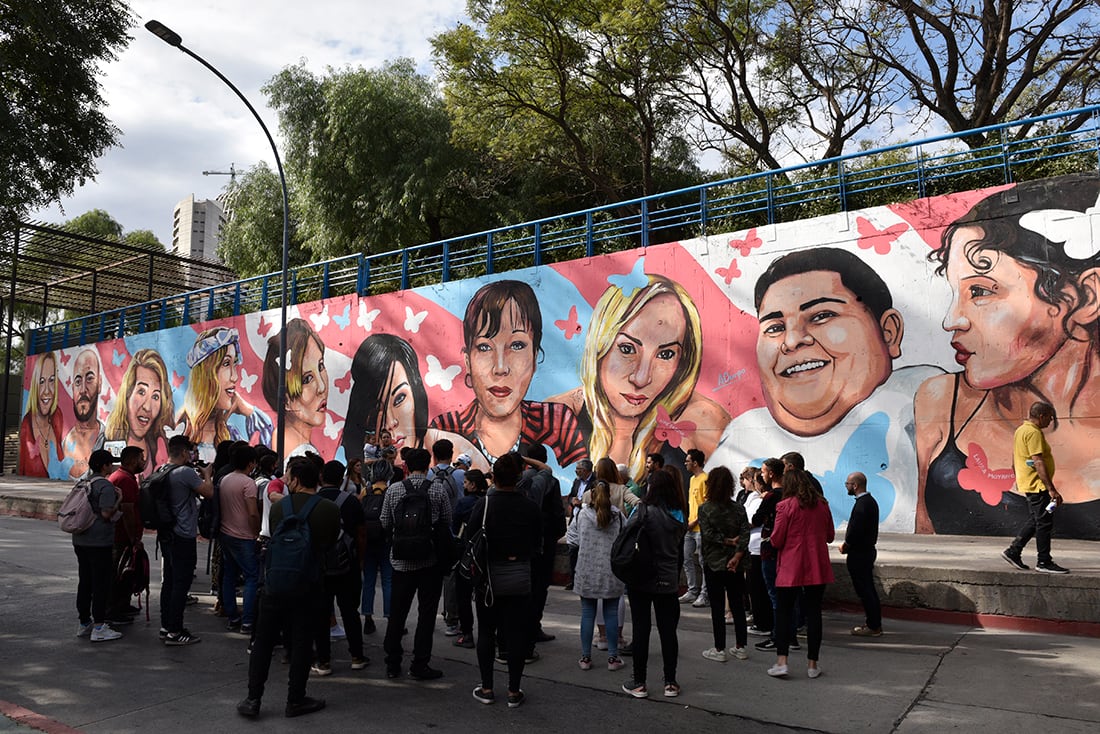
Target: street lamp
[(172, 38)]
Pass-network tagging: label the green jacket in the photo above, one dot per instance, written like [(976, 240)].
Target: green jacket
[(718, 521)]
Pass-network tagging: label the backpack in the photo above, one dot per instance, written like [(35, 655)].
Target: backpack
[(339, 556), (210, 512), (372, 518), (412, 524), (447, 475), (631, 558), (153, 499), (132, 573), (76, 514), (292, 568)]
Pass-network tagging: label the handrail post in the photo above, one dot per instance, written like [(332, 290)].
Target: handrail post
[(589, 249), (842, 188), (237, 299), (1006, 164), (447, 261), (643, 223), (770, 187), (489, 254), (263, 294), (405, 269), (187, 309), (538, 243), (704, 213), (325, 271)]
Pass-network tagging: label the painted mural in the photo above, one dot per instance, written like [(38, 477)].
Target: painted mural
[(905, 341)]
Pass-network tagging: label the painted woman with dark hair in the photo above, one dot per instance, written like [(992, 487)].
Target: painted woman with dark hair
[(502, 333), (306, 385), (388, 394), (1024, 270)]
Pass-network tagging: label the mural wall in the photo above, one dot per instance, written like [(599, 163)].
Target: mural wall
[(904, 341)]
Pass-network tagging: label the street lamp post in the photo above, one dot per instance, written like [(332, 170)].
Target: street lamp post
[(172, 38)]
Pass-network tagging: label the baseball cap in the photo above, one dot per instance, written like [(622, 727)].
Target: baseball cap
[(465, 460)]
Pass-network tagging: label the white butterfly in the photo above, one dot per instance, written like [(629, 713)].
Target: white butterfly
[(247, 380), (414, 320), (332, 426), (366, 318), (320, 320), (289, 360), (440, 375)]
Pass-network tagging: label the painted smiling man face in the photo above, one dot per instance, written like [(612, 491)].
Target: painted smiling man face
[(821, 351)]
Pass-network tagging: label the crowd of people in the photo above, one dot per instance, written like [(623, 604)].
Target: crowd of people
[(753, 550)]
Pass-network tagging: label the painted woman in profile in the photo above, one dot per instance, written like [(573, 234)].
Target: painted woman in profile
[(1024, 269)]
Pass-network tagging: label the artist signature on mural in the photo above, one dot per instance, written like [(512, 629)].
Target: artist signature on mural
[(727, 378)]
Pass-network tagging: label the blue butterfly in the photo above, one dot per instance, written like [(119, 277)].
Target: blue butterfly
[(117, 358), (344, 319), (633, 281), (864, 451)]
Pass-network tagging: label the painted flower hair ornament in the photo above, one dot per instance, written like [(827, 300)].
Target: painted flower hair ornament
[(1071, 229), (206, 346)]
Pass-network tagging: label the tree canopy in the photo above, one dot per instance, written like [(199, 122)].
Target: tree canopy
[(52, 127)]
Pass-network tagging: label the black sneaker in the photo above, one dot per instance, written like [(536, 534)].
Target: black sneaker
[(765, 645), (249, 707), (544, 637), (392, 672), (181, 638), (425, 672), (306, 706), (233, 625), (627, 650), (1050, 567), (794, 644), (1013, 559), (369, 627), (515, 700)]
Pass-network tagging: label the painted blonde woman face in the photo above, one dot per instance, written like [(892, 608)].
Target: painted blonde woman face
[(144, 404)]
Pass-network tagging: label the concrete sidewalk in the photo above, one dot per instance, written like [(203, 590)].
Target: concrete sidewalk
[(918, 678), (960, 579)]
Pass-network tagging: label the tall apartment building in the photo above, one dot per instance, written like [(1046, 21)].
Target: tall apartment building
[(196, 228)]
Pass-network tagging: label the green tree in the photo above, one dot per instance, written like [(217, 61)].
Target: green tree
[(370, 156), (251, 242), (973, 64), (51, 125), (574, 92)]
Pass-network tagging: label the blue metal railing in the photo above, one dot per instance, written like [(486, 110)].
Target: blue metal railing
[(894, 173)]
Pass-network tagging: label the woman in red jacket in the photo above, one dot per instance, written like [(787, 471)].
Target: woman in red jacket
[(801, 536)]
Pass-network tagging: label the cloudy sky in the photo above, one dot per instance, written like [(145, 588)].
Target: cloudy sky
[(178, 120)]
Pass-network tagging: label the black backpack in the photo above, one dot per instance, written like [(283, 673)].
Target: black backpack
[(412, 524), (631, 557), (340, 555), (372, 518), (447, 476), (153, 499), (292, 568), (132, 573), (210, 512)]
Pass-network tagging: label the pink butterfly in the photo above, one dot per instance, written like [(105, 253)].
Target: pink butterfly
[(264, 327), (979, 477), (871, 236), (728, 274), (343, 384), (65, 357), (747, 245), (570, 327), (669, 430), (177, 380)]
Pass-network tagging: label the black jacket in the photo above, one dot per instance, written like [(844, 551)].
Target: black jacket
[(862, 533), (663, 535)]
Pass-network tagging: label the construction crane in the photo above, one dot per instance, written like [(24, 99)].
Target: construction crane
[(232, 173)]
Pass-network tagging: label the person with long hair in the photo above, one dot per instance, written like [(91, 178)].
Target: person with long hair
[(724, 528), (661, 515), (596, 526), (801, 536), (388, 398), (143, 409), (513, 528), (502, 336), (642, 357), (306, 385), (212, 396), (622, 498), (40, 430), (1024, 319)]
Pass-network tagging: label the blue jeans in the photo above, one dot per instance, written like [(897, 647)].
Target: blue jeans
[(376, 559), (610, 620), (239, 556)]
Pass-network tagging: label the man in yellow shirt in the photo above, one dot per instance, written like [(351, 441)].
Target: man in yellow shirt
[(1033, 464), (696, 593)]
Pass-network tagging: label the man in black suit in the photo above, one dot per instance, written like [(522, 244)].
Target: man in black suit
[(859, 546)]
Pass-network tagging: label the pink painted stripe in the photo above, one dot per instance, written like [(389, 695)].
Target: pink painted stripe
[(985, 621), (26, 717)]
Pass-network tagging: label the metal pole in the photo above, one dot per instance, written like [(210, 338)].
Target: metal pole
[(174, 39), (7, 350)]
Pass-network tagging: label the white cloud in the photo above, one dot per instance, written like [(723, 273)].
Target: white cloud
[(178, 120)]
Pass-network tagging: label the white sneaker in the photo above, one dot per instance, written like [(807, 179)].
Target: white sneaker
[(103, 632), (336, 632), (701, 601), (688, 597), (601, 644), (778, 671), (84, 630), (718, 656), (739, 652)]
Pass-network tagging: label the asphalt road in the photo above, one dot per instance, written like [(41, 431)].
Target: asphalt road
[(919, 677)]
